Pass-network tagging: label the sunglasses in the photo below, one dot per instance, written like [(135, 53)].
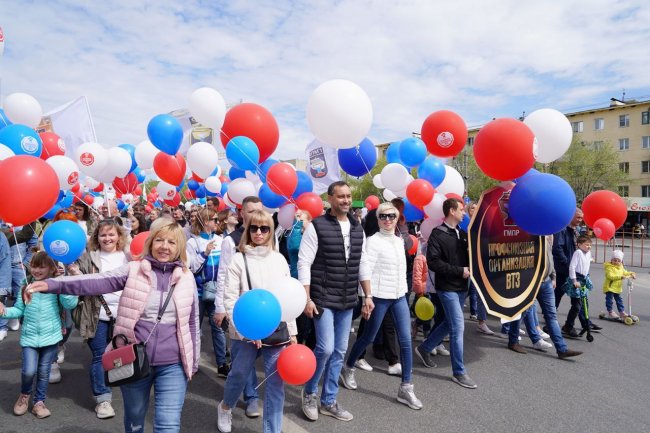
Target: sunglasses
[(254, 228), (387, 216)]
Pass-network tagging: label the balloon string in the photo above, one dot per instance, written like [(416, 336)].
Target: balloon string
[(20, 256), (265, 379), (368, 170)]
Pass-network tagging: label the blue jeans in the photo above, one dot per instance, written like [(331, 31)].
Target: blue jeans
[(473, 299), (218, 336), (332, 333), (250, 388), (399, 310), (169, 385), (546, 299), (36, 363), (97, 346), (528, 317), (454, 325), (609, 302), (243, 363)]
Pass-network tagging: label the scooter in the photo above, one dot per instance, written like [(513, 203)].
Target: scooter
[(630, 319), (585, 309)]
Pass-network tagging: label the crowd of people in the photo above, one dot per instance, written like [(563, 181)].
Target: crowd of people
[(198, 261)]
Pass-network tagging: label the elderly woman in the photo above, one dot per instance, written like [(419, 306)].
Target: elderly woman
[(173, 346), (387, 259)]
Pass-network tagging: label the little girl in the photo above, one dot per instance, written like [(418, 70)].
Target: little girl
[(41, 333), (615, 273)]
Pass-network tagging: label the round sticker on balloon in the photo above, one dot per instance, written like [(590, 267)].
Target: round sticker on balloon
[(445, 139), (29, 144), (59, 248), (87, 159)]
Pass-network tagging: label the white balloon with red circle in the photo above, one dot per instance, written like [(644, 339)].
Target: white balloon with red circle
[(92, 159), (165, 191), (66, 170)]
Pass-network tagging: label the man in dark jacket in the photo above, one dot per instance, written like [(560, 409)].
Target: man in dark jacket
[(448, 258), (564, 245)]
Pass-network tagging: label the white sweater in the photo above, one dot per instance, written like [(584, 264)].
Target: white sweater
[(387, 263), (265, 266)]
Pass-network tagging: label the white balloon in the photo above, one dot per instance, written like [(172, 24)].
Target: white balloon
[(286, 216), (202, 159), (165, 190), (427, 227), (376, 181), (23, 109), (213, 184), (239, 189), (434, 208), (66, 170), (119, 159), (91, 183), (228, 202), (388, 194), (453, 182), (339, 114), (145, 153), (401, 193), (394, 176), (5, 152), (92, 159), (552, 131), (291, 295), (208, 107)]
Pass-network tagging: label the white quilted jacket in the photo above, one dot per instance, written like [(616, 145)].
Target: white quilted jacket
[(387, 258)]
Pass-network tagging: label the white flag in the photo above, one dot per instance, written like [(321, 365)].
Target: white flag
[(72, 122), (323, 165)]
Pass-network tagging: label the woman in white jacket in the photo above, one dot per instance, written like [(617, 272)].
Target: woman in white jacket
[(386, 257), (265, 265)]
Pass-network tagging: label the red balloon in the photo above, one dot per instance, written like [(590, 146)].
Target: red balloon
[(99, 188), (445, 133), (170, 169), (30, 187), (503, 149), (175, 201), (296, 364), (604, 204), (372, 202), (52, 145), (189, 194), (420, 193), (456, 196), (152, 197), (197, 178), (282, 179), (76, 187), (414, 249), (148, 209), (89, 199), (222, 205), (224, 179), (137, 244), (138, 190), (604, 229), (255, 122), (126, 184), (310, 202)]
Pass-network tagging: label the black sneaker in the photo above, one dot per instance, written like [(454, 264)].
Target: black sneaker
[(425, 357), (570, 332), (595, 327), (223, 370)]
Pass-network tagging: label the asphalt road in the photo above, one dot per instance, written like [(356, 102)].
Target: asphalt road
[(603, 390)]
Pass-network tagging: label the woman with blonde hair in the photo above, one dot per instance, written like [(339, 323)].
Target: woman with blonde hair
[(171, 332), (255, 265)]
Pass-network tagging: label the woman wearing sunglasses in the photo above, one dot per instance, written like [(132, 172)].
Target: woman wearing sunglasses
[(258, 261), (387, 260)]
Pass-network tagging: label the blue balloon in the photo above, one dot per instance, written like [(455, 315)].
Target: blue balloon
[(61, 195), (180, 187), (411, 213), (242, 152), (412, 151), (4, 120), (235, 173), (224, 188), (52, 212), (66, 201), (22, 140), (305, 184), (131, 149), (202, 201), (359, 160), (139, 173), (433, 170), (209, 193), (166, 133), (464, 224), (530, 172), (157, 204), (120, 205), (257, 314), (264, 168), (392, 153), (269, 198), (542, 204), (192, 184), (201, 192), (64, 241)]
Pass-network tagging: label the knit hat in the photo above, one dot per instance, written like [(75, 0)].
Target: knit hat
[(617, 254)]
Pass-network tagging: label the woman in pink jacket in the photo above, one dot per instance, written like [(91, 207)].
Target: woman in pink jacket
[(173, 347)]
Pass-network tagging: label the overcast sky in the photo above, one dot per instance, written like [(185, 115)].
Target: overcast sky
[(481, 59)]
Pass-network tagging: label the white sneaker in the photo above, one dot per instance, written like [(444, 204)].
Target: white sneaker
[(441, 350), (362, 364), (3, 334), (542, 345), (14, 324), (60, 354), (544, 335), (104, 410), (395, 370), (55, 373), (224, 419), (522, 332)]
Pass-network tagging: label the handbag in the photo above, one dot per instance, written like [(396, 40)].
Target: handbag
[(281, 334), (129, 362)]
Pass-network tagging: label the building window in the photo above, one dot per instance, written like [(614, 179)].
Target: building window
[(623, 143), (624, 167), (470, 141), (624, 191), (645, 190), (645, 166), (599, 124), (645, 142), (645, 117), (598, 145), (577, 126), (624, 120)]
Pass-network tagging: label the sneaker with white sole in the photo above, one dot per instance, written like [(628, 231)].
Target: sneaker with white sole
[(347, 377), (336, 411), (253, 409), (441, 350), (424, 357), (544, 335), (464, 380), (309, 405), (13, 324), (407, 396), (484, 329), (224, 419), (542, 345), (3, 334), (395, 369), (104, 410), (362, 364), (55, 373), (60, 354)]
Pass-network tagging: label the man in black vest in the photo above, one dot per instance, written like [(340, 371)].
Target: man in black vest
[(328, 266)]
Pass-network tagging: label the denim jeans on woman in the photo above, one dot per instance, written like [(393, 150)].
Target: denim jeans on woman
[(169, 385), (243, 363), (36, 363), (97, 346), (399, 310), (528, 317)]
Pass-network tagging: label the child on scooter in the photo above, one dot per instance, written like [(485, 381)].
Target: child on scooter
[(615, 273)]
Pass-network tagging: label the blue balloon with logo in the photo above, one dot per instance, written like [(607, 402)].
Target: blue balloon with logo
[(412, 213), (432, 169), (264, 168), (412, 151), (165, 133), (305, 184), (392, 153), (269, 198), (4, 120), (21, 139), (257, 314), (64, 241), (242, 152), (358, 161)]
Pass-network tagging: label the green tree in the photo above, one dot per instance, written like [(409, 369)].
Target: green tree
[(476, 182)]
